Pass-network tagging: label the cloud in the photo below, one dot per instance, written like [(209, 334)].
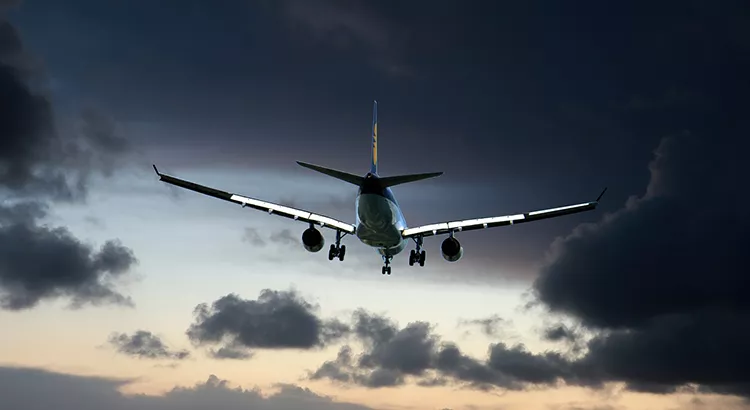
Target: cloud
[(230, 352), (558, 333), (40, 262), (276, 320), (392, 355), (40, 163), (284, 237), (573, 338), (663, 280), (145, 345), (490, 326), (352, 25), (32, 389), (252, 236), (8, 4)]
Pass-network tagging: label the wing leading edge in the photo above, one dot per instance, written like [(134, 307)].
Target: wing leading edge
[(491, 222), (271, 208)]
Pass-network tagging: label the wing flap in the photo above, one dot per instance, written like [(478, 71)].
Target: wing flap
[(270, 207)]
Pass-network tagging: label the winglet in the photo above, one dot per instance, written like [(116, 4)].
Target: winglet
[(156, 170), (601, 195)]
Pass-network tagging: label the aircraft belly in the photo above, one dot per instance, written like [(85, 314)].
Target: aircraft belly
[(379, 223)]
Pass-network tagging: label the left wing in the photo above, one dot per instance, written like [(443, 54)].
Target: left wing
[(491, 222), (271, 208)]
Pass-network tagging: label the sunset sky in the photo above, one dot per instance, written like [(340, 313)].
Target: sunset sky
[(118, 291)]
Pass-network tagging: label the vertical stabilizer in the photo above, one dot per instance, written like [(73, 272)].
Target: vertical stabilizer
[(374, 161)]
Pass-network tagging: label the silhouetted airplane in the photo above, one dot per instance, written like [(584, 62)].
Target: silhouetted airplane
[(379, 221)]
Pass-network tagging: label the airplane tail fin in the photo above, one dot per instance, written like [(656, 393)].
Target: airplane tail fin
[(358, 180), (374, 161), (344, 176), (402, 179)]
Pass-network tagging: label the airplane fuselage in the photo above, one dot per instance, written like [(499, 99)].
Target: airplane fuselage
[(379, 220)]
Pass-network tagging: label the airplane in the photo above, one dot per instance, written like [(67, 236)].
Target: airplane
[(379, 220)]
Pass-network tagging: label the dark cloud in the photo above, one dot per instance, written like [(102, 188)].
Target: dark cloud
[(664, 279), (31, 389), (276, 320), (391, 355), (559, 332), (40, 163), (39, 262), (571, 337), (145, 345), (352, 25), (37, 158), (490, 326)]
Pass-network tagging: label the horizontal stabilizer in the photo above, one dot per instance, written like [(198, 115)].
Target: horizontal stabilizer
[(344, 176), (402, 179)]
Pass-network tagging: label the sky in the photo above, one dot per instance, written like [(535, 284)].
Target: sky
[(118, 291)]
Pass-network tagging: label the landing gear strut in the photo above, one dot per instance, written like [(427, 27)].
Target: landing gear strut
[(337, 250), (387, 267), (417, 255)]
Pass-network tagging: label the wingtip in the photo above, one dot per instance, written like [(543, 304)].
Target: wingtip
[(601, 195), (156, 170)]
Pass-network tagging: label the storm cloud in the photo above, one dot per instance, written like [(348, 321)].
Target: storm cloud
[(146, 345), (664, 280), (276, 320), (41, 164)]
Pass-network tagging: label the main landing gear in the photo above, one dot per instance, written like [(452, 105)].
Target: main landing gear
[(417, 255), (337, 250), (387, 267)]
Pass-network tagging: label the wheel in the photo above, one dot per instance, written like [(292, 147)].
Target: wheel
[(342, 252), (422, 257), (385, 269), (332, 252), (388, 270), (412, 257)]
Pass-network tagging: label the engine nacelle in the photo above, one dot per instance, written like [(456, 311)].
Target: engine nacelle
[(313, 240), (451, 249)]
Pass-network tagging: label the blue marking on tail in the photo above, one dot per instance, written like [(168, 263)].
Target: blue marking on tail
[(374, 162)]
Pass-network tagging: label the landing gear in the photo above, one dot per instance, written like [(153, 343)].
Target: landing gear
[(337, 250), (417, 255), (387, 267)]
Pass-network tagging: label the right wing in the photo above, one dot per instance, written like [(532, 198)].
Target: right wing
[(271, 208), (483, 223)]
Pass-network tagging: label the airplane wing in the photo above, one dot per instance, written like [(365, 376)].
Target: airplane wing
[(491, 222), (271, 208)]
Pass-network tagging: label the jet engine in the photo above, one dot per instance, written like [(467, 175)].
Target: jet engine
[(312, 240), (451, 249)]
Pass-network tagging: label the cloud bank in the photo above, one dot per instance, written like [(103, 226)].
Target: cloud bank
[(39, 165), (31, 389)]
